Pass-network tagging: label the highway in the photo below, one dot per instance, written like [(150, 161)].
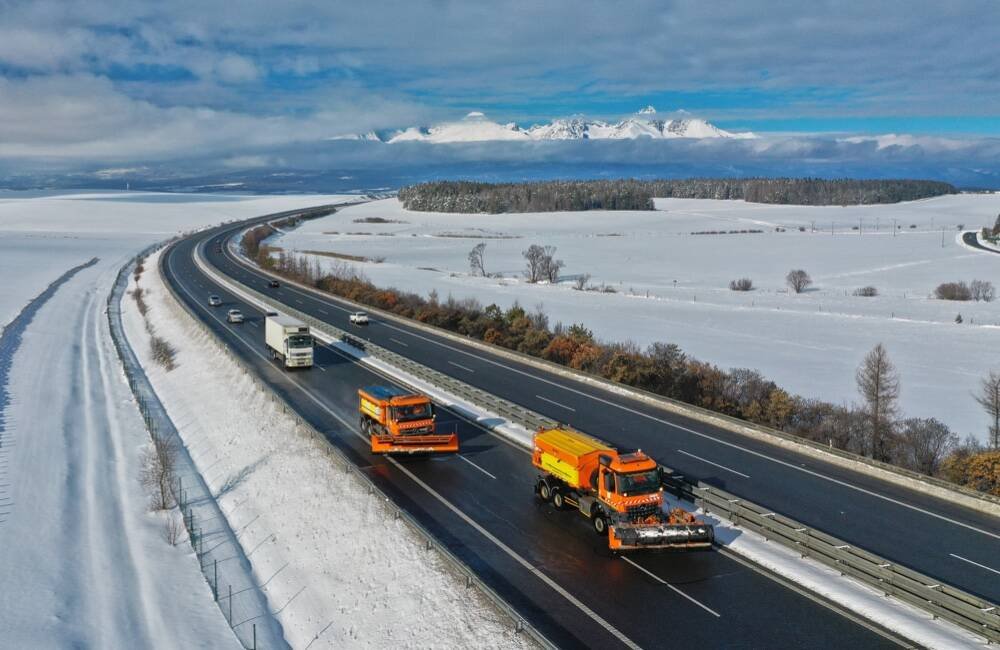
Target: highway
[(948, 542), (547, 564)]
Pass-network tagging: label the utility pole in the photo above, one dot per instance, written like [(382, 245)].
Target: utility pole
[(893, 227), (860, 226)]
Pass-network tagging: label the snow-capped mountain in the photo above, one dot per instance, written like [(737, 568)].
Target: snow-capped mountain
[(476, 127)]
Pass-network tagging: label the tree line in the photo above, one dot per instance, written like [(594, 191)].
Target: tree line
[(633, 194), (872, 428)]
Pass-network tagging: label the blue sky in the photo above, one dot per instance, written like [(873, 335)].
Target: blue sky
[(127, 82)]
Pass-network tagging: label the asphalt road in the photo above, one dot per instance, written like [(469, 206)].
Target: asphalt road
[(547, 564), (970, 240), (946, 541)]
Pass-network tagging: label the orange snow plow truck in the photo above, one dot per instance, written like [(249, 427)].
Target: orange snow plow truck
[(401, 422), (621, 494)]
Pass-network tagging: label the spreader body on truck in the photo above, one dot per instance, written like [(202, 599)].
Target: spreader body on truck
[(401, 422), (620, 493)]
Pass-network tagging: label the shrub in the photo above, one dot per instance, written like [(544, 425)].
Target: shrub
[(982, 290), (953, 291), (866, 292), (798, 280), (743, 284)]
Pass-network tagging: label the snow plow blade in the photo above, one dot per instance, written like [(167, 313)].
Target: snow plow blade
[(680, 537), (414, 444)]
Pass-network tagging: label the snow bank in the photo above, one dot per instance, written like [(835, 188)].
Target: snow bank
[(673, 286), (315, 536)]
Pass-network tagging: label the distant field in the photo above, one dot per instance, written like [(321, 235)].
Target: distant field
[(672, 285)]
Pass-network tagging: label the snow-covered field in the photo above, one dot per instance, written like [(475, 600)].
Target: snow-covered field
[(312, 530), (82, 562), (673, 286)]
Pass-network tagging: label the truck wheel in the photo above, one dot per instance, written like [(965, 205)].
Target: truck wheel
[(544, 492), (600, 524), (557, 500), (363, 424)]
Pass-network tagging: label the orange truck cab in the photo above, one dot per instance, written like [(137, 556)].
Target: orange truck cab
[(621, 494), (398, 421)]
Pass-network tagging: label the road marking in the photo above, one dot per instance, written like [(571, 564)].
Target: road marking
[(320, 367), (298, 301), (476, 466), (331, 301), (675, 589), (982, 566), (552, 401), (254, 324), (705, 460), (325, 313), (458, 365), (448, 504), (398, 341)]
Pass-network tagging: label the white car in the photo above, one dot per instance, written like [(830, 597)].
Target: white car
[(214, 300), (359, 318), (234, 316)]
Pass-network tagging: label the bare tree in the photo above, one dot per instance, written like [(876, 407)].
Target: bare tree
[(581, 281), (540, 263), (534, 257), (157, 474), (477, 259), (989, 398), (173, 529), (878, 384), (924, 443), (742, 284), (798, 280)]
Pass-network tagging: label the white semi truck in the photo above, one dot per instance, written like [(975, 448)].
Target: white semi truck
[(289, 340)]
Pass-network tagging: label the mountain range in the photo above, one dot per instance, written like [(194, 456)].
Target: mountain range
[(476, 127)]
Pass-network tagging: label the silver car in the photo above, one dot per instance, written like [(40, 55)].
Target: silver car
[(214, 300), (234, 316)]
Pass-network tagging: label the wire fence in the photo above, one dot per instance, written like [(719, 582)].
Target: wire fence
[(940, 600), (220, 555), (466, 574)]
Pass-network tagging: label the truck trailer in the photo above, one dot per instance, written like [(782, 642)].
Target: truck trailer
[(398, 421), (288, 340), (620, 493)]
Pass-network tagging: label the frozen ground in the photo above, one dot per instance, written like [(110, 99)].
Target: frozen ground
[(673, 286), (313, 532), (82, 563)]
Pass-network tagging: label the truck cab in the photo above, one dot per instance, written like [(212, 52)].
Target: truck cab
[(289, 340)]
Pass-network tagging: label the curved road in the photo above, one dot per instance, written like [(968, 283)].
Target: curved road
[(547, 564), (948, 542)]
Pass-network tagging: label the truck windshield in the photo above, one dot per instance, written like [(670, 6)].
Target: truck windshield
[(300, 341), (413, 412), (639, 482)]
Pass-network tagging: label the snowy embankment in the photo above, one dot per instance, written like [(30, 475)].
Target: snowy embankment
[(83, 563), (671, 285), (335, 563)]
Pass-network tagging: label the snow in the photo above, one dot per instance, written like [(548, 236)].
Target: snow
[(854, 596), (476, 127), (809, 343), (83, 564), (311, 527)]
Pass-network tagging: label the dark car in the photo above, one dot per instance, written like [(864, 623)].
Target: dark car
[(273, 284)]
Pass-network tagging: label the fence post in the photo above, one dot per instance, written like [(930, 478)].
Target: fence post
[(230, 605), (215, 583)]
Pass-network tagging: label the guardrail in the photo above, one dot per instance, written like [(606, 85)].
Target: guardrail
[(954, 605), (521, 625), (940, 600), (244, 606)]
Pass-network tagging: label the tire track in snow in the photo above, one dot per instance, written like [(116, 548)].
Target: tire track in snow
[(10, 342)]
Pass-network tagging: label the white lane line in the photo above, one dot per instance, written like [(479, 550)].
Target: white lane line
[(679, 427), (476, 466), (320, 367), (253, 324), (552, 401), (981, 566), (298, 301), (597, 618), (324, 312), (675, 589), (458, 365), (705, 460), (398, 341)]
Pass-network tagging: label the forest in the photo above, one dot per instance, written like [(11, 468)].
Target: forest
[(632, 194)]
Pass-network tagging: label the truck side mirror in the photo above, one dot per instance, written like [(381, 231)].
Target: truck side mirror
[(609, 482)]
